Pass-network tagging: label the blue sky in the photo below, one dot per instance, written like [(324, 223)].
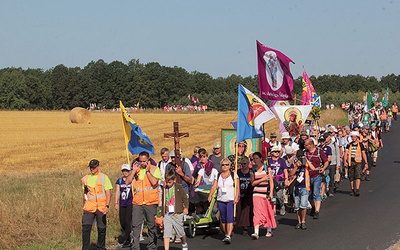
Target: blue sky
[(211, 36)]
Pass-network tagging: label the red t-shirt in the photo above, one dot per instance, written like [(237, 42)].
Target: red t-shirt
[(316, 161)]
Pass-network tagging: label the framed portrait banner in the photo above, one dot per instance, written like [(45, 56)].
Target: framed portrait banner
[(228, 139)]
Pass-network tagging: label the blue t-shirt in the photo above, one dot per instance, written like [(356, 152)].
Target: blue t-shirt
[(125, 193), (327, 150), (277, 167)]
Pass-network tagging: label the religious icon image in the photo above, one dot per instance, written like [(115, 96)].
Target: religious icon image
[(293, 120), (273, 70)]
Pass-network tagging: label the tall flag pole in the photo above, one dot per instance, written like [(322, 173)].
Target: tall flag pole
[(274, 77)]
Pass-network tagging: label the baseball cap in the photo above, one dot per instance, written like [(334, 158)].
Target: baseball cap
[(125, 167), (93, 163), (275, 149), (217, 145)]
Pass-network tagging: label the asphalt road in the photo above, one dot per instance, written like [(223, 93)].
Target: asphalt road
[(370, 221)]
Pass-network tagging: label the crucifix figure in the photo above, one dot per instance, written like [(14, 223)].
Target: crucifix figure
[(176, 136)]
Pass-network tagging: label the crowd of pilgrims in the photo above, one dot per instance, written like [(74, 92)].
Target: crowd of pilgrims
[(294, 174)]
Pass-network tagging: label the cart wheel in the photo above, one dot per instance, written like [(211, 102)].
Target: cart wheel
[(192, 229)]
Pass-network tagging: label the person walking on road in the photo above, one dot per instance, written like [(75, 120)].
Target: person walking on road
[(145, 179), (353, 158), (317, 163), (263, 194), (301, 188), (123, 203), (96, 204)]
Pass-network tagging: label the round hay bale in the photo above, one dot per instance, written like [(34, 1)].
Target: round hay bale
[(79, 115)]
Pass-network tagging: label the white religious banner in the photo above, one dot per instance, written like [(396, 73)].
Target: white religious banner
[(294, 113)]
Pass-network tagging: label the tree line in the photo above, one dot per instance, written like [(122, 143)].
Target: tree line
[(155, 86)]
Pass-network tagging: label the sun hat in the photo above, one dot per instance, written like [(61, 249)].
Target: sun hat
[(289, 150), (217, 145), (285, 135)]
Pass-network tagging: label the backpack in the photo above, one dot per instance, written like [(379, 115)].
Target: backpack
[(372, 146)]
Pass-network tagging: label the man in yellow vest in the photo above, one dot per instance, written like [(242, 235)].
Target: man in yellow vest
[(96, 203), (353, 158), (145, 179)]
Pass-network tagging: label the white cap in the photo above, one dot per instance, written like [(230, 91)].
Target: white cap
[(275, 149), (126, 167), (354, 133)]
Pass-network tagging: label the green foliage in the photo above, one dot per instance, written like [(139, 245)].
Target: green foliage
[(154, 86)]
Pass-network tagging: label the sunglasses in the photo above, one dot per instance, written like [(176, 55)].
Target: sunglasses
[(225, 164), (244, 163)]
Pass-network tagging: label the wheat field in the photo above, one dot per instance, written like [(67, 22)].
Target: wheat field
[(43, 156)]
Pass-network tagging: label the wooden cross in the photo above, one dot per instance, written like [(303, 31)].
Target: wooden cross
[(176, 136)]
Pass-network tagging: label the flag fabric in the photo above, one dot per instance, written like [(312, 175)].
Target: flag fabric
[(136, 141), (274, 77), (385, 98), (309, 96), (370, 103), (252, 114), (301, 112), (317, 102), (305, 93), (274, 104)]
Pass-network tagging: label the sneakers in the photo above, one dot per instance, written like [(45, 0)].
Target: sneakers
[(255, 236), (356, 192), (352, 192), (316, 215), (269, 234), (346, 176), (283, 210), (303, 226), (185, 247), (367, 178), (298, 226), (227, 239)]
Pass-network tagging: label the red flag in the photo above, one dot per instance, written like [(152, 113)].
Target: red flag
[(274, 77)]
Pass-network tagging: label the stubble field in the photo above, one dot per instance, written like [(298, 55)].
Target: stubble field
[(43, 156)]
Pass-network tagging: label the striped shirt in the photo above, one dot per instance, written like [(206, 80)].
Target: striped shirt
[(262, 189)]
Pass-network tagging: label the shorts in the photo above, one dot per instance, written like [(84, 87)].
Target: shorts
[(301, 200), (355, 171), (226, 211), (316, 187), (173, 223)]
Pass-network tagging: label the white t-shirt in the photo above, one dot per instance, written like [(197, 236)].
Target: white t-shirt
[(190, 164), (209, 179), (226, 190)]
